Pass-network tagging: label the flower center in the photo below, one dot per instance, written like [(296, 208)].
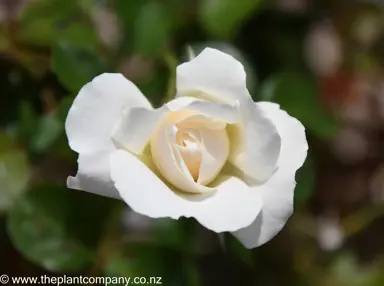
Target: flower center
[(189, 150), (188, 143)]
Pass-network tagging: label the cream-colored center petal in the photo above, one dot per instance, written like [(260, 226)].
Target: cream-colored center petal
[(191, 150)]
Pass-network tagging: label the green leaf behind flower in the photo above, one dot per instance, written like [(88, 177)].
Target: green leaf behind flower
[(58, 228)]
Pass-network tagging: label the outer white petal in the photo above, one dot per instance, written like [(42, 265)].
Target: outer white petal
[(223, 112), (97, 108), (94, 175), (255, 142), (135, 128), (216, 75), (278, 192), (233, 207), (218, 111), (179, 103)]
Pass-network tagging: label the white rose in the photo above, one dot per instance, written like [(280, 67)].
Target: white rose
[(211, 153)]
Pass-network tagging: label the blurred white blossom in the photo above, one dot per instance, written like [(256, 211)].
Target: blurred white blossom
[(107, 25), (350, 146), (330, 235), (323, 49), (11, 9), (367, 29)]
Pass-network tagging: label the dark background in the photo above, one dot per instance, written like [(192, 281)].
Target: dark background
[(322, 61)]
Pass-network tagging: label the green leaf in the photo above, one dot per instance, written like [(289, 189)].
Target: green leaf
[(167, 253), (64, 106), (57, 228), (6, 143), (56, 9), (235, 248), (175, 234), (222, 18), (346, 271), (46, 32), (154, 86), (305, 178), (43, 21), (128, 10), (79, 34), (75, 66), (40, 32), (49, 129), (47, 22), (297, 94), (152, 29), (141, 258), (14, 173), (87, 5), (28, 121), (4, 42)]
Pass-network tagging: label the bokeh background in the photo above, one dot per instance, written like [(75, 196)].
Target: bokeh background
[(321, 60)]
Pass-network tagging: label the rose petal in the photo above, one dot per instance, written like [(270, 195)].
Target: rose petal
[(223, 112), (195, 121), (278, 192), (94, 175), (232, 207), (234, 204), (179, 103), (97, 108), (135, 128), (255, 142), (216, 75), (167, 157), (215, 154)]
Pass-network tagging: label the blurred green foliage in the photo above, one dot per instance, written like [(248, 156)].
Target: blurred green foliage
[(222, 18), (14, 172), (75, 66), (49, 21), (152, 29), (290, 88), (54, 47)]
